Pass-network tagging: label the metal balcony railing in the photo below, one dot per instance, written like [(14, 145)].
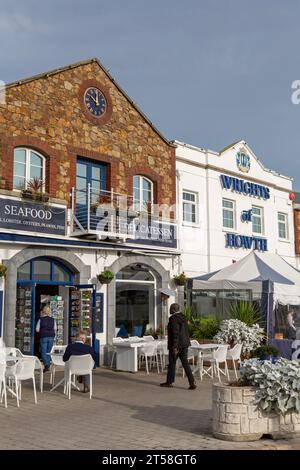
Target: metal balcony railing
[(102, 214)]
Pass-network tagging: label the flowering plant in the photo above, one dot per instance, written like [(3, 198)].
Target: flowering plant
[(278, 385), (235, 331)]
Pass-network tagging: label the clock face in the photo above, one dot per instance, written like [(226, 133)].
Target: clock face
[(95, 102)]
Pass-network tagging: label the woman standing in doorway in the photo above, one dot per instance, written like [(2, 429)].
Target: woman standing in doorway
[(46, 326)]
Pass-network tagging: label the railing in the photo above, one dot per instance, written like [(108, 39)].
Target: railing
[(105, 214)]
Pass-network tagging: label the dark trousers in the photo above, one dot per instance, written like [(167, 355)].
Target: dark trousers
[(183, 356)]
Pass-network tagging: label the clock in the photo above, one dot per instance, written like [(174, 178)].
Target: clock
[(95, 102)]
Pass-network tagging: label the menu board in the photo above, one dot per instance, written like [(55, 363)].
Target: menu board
[(24, 319), (80, 314), (56, 305)]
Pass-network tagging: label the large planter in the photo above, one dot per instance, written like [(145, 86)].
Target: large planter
[(237, 418)]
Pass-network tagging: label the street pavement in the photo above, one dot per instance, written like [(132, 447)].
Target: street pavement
[(127, 411)]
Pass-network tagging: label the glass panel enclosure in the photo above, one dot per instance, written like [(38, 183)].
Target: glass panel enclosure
[(217, 302)]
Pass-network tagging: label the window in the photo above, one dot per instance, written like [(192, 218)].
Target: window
[(28, 165), (282, 225), (257, 220), (189, 207), (142, 193), (228, 213)]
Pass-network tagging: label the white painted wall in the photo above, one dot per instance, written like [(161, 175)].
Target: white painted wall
[(203, 244)]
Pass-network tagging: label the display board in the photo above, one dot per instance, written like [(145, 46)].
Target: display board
[(24, 319), (80, 312)]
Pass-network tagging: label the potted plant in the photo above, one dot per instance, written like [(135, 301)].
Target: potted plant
[(35, 190), (3, 270), (247, 312), (234, 331), (266, 352), (264, 401), (105, 277), (180, 279)]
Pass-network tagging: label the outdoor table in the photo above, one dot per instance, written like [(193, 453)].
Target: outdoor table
[(127, 356), (204, 347)]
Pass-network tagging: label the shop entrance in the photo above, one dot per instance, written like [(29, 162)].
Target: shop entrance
[(48, 282)]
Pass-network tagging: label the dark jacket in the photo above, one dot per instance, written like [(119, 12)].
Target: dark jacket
[(47, 327), (178, 333), (78, 349)]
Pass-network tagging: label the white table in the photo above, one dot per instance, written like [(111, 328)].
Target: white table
[(204, 347), (127, 356)]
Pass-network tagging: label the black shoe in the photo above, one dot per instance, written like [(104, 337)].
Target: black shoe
[(192, 387), (46, 369), (79, 379), (165, 384)]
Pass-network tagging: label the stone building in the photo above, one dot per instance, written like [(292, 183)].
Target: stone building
[(83, 176)]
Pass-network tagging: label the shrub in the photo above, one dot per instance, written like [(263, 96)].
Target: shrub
[(3, 270), (278, 385), (247, 312), (235, 331), (266, 350), (201, 327)]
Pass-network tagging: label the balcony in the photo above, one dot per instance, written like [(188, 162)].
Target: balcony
[(105, 215), (109, 216)]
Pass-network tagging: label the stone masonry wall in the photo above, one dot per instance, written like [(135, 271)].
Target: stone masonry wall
[(237, 418), (47, 114)]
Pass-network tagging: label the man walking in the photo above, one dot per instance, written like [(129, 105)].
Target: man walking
[(178, 344)]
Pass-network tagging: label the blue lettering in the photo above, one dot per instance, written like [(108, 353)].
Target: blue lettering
[(230, 239), (226, 181), (267, 193), (247, 188), (248, 242)]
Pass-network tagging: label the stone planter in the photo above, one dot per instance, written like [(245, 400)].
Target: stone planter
[(237, 418)]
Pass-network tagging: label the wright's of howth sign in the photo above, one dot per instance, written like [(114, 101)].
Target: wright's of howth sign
[(32, 217)]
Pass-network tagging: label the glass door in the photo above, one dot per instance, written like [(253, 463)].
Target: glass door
[(89, 174)]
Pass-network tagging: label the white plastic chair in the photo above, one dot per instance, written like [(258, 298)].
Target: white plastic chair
[(148, 338), (234, 354), (115, 341), (78, 365), (57, 362), (218, 357), (163, 352), (23, 370), (15, 352), (149, 351), (3, 383), (192, 354)]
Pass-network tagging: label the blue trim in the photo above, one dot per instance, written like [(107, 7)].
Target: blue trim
[(53, 263), (31, 240), (1, 311), (32, 318)]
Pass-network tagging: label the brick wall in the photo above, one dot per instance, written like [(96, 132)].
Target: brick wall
[(48, 114)]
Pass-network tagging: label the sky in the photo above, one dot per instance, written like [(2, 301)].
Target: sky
[(206, 72)]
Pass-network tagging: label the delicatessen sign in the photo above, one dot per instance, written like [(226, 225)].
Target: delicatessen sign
[(32, 217)]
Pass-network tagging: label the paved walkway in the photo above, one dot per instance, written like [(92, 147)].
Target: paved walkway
[(128, 411)]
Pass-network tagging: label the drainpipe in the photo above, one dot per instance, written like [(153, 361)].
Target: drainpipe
[(207, 215)]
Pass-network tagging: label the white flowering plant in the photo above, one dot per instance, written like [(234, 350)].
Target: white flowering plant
[(235, 331), (278, 384)]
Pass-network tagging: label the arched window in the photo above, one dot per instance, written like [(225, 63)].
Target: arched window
[(28, 165), (142, 193)]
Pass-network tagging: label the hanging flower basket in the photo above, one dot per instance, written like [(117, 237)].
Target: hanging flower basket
[(105, 277), (180, 280), (3, 270)]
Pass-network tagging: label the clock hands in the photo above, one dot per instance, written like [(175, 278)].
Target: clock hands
[(97, 98)]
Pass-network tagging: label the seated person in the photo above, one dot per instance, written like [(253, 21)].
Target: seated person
[(79, 348)]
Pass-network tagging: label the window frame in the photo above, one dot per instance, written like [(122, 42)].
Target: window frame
[(140, 206), (286, 225), (28, 151), (233, 211), (195, 203), (262, 219)]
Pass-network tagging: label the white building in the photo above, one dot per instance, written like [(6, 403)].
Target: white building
[(230, 204)]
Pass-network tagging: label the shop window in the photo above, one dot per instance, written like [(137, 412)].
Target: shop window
[(28, 165), (283, 225), (142, 193), (189, 207), (42, 270), (257, 220), (228, 214), (24, 273), (135, 273)]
